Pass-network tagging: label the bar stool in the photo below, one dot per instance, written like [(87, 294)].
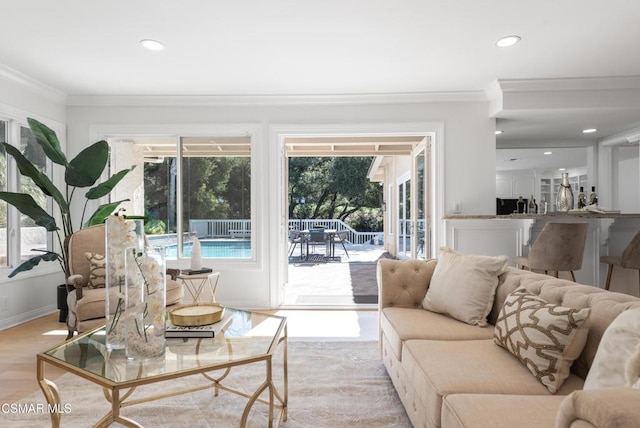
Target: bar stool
[(630, 259), (559, 247)]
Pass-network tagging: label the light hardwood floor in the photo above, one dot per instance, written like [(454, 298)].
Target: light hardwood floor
[(19, 345), (18, 348)]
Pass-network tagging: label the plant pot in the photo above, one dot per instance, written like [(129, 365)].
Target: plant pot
[(62, 303)]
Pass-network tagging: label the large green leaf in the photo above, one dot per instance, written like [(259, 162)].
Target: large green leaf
[(39, 178), (104, 188), (35, 261), (103, 212), (47, 138), (29, 207), (85, 169)]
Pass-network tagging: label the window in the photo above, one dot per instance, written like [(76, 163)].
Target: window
[(3, 187), (193, 187), (216, 188), (33, 238), (17, 246)]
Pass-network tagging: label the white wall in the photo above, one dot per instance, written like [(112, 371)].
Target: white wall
[(33, 294), (468, 171), (629, 180)]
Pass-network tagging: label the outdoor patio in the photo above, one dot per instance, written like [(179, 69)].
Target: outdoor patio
[(317, 281)]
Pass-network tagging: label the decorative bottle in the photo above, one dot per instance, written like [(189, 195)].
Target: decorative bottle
[(564, 198), (582, 199), (593, 197), (196, 254), (533, 209), (521, 205)]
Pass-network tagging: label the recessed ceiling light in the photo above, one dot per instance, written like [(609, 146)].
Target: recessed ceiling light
[(589, 131), (507, 41), (152, 45), (548, 153), (499, 131), (561, 169)]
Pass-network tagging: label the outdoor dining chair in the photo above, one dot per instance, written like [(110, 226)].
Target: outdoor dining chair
[(317, 237), (341, 238)]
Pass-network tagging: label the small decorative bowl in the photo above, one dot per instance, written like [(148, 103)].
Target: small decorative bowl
[(196, 315)]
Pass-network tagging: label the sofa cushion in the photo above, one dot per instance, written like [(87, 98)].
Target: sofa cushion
[(545, 337), (500, 411), (401, 324), (96, 270), (441, 368), (464, 286), (616, 362)]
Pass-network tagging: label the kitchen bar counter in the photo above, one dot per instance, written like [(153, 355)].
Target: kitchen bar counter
[(550, 216), (512, 235)]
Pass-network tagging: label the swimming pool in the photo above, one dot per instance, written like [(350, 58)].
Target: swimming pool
[(215, 249)]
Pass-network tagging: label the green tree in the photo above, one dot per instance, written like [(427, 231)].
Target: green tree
[(334, 188)]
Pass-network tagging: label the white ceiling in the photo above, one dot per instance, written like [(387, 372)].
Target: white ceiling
[(331, 47)]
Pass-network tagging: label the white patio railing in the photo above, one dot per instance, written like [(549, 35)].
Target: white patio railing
[(205, 228)]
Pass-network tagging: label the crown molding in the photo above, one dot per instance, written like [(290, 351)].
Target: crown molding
[(33, 85), (275, 100), (569, 84), (631, 136)]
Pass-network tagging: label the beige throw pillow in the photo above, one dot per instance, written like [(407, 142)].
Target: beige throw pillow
[(617, 361), (96, 270), (464, 286), (545, 337)]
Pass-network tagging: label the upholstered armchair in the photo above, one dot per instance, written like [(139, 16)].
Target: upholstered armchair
[(87, 304)]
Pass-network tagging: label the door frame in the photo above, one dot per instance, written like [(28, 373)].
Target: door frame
[(278, 211)]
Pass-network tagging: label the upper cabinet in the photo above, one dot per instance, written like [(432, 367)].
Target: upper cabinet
[(511, 185)]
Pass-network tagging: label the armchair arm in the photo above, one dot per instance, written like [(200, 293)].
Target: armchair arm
[(173, 273), (601, 408), (403, 283), (75, 282)]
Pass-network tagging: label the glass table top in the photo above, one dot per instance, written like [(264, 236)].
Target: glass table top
[(243, 336)]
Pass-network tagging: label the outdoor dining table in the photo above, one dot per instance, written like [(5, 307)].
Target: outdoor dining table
[(330, 248)]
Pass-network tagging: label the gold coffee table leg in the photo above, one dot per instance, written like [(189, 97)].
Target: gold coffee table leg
[(51, 394)]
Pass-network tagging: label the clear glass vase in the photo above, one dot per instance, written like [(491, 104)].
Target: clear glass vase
[(145, 305), (564, 198), (120, 234)]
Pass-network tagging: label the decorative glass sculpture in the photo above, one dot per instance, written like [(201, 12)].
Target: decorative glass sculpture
[(564, 198), (145, 305), (120, 234)]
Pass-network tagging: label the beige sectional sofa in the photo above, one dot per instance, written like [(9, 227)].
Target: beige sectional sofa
[(452, 374)]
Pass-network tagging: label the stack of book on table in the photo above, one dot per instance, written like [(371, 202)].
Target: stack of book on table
[(209, 330), (195, 271)]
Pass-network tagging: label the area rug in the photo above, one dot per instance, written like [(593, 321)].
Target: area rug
[(363, 280), (331, 384)]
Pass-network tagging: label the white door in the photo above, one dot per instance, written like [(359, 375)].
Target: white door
[(414, 224), (404, 217), (421, 225)]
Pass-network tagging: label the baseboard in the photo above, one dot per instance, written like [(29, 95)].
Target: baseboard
[(27, 316)]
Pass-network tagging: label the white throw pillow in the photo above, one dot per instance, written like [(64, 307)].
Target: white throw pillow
[(617, 361), (545, 337), (464, 286)]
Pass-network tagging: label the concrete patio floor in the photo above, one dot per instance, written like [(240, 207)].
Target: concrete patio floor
[(348, 282)]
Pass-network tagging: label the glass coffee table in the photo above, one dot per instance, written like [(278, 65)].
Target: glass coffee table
[(244, 337)]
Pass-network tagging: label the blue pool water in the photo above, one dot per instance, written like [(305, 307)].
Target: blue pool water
[(215, 249)]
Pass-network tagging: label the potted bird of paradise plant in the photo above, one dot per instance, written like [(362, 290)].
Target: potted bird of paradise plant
[(83, 171)]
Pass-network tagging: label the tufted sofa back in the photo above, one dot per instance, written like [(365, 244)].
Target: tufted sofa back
[(409, 280)]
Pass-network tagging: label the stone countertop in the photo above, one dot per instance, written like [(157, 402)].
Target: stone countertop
[(571, 214)]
